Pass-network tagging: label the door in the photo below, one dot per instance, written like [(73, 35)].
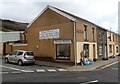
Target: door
[(12, 56), (86, 48), (113, 50), (63, 51), (94, 53)]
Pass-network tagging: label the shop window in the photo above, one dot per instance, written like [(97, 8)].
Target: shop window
[(110, 48), (63, 51)]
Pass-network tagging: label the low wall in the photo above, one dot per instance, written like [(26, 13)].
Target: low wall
[(19, 47)]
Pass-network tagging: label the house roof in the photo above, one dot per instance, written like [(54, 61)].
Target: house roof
[(65, 14)]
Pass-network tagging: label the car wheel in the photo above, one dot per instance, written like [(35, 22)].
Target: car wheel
[(20, 62), (6, 60)]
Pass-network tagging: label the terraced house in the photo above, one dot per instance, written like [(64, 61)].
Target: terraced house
[(102, 43), (113, 43)]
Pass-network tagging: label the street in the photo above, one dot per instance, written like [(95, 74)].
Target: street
[(35, 73)]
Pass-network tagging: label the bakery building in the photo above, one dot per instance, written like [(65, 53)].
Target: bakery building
[(61, 36)]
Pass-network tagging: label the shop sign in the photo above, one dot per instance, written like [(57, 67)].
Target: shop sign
[(49, 34), (62, 42)]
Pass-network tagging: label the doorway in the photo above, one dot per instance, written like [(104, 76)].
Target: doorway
[(86, 48), (94, 53)]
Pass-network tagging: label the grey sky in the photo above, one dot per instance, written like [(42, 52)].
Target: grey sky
[(100, 12)]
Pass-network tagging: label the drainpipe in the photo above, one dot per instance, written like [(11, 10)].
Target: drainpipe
[(75, 54)]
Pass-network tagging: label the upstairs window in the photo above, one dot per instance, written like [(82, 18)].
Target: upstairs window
[(113, 38), (92, 34), (85, 32)]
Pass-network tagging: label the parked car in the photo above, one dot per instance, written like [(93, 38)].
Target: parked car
[(21, 57)]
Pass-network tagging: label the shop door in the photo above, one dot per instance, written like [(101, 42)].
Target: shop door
[(86, 48), (63, 51)]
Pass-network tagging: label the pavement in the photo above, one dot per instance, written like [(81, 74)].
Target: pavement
[(100, 64), (70, 66)]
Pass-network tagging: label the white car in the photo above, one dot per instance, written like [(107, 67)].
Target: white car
[(21, 57)]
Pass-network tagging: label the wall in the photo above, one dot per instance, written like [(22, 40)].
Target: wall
[(19, 47), (80, 35), (47, 21), (113, 43), (80, 49), (81, 42), (8, 48)]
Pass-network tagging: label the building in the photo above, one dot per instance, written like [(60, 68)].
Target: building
[(61, 36), (113, 43), (102, 43), (8, 39)]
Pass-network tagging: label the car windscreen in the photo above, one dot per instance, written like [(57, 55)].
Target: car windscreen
[(29, 53)]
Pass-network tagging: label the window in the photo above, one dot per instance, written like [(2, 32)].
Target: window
[(30, 53), (92, 34), (110, 37), (100, 50), (117, 49), (100, 37), (110, 48), (116, 39), (113, 37), (63, 51), (20, 53), (85, 32)]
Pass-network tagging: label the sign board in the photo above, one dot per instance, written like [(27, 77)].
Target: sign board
[(49, 34), (62, 42)]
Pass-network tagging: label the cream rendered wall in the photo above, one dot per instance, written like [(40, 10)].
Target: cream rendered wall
[(80, 48), (110, 43)]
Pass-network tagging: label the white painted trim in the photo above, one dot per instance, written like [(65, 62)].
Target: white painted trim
[(57, 11), (38, 16), (63, 14)]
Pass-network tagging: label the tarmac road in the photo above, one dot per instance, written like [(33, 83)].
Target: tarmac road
[(109, 74)]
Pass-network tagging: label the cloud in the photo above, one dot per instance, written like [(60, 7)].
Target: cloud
[(101, 12)]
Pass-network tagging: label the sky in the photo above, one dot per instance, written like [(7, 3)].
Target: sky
[(101, 12)]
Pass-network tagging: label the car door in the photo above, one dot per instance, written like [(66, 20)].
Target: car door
[(18, 56), (10, 56), (13, 56)]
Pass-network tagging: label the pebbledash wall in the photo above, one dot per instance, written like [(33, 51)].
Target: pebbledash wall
[(61, 35)]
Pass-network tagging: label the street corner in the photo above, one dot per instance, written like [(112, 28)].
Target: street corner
[(106, 65)]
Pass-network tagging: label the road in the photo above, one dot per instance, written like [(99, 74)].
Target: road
[(36, 73)]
